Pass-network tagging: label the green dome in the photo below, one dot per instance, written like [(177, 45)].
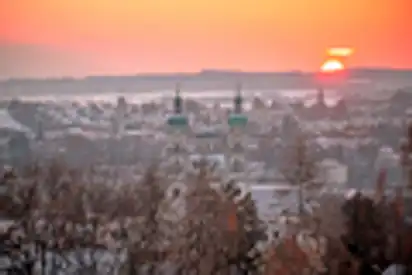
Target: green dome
[(236, 120), (177, 121)]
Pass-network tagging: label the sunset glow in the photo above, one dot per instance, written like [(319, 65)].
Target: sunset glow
[(78, 37)]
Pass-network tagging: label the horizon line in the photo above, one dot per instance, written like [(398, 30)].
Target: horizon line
[(193, 73)]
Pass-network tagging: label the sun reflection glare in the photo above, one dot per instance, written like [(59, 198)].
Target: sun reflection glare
[(340, 52)]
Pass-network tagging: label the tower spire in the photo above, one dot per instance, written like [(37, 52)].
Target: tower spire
[(177, 89), (321, 97), (177, 100), (238, 100)]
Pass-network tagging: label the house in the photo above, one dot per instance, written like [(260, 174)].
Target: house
[(14, 140)]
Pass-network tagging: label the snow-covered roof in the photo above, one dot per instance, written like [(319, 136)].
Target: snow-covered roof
[(330, 162), (218, 159), (5, 224), (6, 121), (394, 270)]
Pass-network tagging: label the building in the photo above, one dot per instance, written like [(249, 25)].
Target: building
[(15, 138), (176, 151), (237, 122)]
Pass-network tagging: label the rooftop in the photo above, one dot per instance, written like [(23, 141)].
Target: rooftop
[(6, 121)]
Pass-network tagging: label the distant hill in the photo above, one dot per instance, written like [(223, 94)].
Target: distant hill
[(206, 79), (380, 72)]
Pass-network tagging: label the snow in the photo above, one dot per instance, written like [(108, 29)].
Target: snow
[(6, 121), (394, 269), (5, 224)]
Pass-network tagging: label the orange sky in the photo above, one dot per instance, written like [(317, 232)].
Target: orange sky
[(81, 37)]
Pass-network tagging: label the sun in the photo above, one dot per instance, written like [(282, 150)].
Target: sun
[(332, 65)]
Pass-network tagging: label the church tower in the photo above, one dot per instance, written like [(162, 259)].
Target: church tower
[(321, 98), (237, 122), (119, 117), (39, 134), (178, 123)]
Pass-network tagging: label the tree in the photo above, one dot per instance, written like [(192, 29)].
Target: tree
[(250, 231), (301, 170), (76, 216), (52, 213), (336, 258), (306, 230), (220, 230), (287, 257), (202, 244), (368, 232), (145, 233)]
